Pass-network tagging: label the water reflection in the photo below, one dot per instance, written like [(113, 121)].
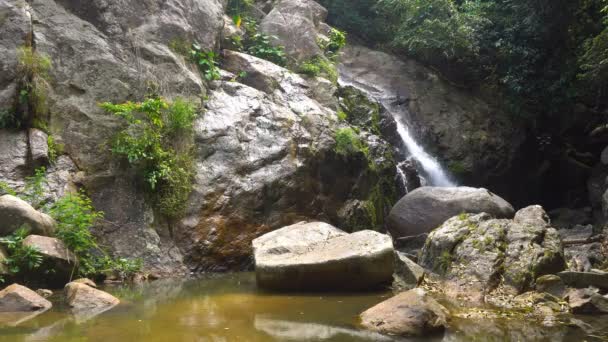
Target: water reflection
[(230, 308)]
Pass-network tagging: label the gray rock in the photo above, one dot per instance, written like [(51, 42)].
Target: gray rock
[(408, 274), (319, 257), (293, 24), (16, 213), (13, 156), (477, 254), (566, 218), (15, 29), (551, 284), (17, 298), (39, 148), (260, 74), (411, 313), (424, 209), (583, 257), (57, 259), (576, 233), (587, 301), (585, 279), (604, 156)]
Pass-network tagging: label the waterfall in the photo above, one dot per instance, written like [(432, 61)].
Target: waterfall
[(432, 171)]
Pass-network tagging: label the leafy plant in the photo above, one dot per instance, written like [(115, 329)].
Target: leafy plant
[(33, 191), (259, 45), (349, 143), (149, 144), (6, 189), (55, 149), (34, 71), (206, 62), (21, 258), (332, 45)]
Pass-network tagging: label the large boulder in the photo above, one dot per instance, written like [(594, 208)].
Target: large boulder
[(16, 213), (59, 263), (294, 24), (17, 298), (411, 313), (316, 256), (424, 209), (83, 298), (477, 254)]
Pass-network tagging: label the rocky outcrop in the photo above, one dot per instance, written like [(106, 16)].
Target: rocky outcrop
[(13, 159), (316, 256), (294, 24), (478, 254), (408, 274), (17, 298), (39, 148), (424, 209), (587, 301), (266, 158), (58, 260), (475, 141), (84, 299), (596, 278), (411, 313), (16, 213)]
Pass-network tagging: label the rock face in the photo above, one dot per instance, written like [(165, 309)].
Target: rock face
[(13, 159), (39, 148), (17, 298), (585, 279), (476, 142), (56, 257), (316, 256), (295, 26), (266, 159), (408, 274), (478, 254), (16, 213), (411, 313), (424, 209), (82, 298)]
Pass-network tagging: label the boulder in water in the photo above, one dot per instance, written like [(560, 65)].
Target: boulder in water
[(83, 298), (411, 313), (18, 298), (317, 256), (424, 209), (16, 213)]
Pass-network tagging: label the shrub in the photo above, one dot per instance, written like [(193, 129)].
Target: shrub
[(55, 149), (349, 143), (6, 189), (149, 143), (319, 66), (34, 188), (8, 119), (206, 62), (34, 71), (335, 42)]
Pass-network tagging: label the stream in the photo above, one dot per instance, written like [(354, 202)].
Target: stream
[(229, 307)]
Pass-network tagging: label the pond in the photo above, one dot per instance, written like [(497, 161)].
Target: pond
[(229, 307)]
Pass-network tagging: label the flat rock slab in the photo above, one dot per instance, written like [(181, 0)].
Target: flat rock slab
[(320, 257), (585, 279), (411, 313)]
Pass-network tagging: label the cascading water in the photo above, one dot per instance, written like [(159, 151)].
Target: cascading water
[(431, 169)]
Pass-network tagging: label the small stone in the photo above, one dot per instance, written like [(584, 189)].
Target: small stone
[(44, 293), (551, 284)]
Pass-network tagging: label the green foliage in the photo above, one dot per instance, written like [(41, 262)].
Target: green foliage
[(349, 143), (21, 258), (444, 261), (55, 149), (156, 142), (259, 45), (34, 188), (34, 71), (238, 7), (206, 62), (342, 116), (319, 66), (6, 189), (335, 42), (8, 119)]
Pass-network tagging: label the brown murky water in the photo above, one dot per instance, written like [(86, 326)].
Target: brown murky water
[(230, 308)]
